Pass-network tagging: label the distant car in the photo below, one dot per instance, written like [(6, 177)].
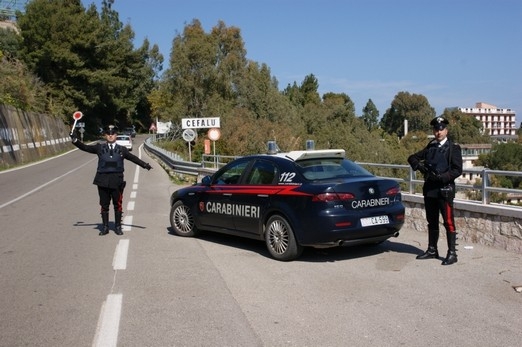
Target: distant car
[(125, 141), (313, 198), (130, 131)]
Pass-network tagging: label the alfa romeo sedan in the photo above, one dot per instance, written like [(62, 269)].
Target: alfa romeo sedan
[(312, 198)]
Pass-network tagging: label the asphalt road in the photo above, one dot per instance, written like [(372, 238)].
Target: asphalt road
[(63, 285)]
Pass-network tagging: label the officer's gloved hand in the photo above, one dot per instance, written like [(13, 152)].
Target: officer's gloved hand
[(422, 169), (445, 177), (434, 177), (147, 166), (73, 136)]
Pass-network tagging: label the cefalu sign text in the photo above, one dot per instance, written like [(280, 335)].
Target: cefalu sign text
[(198, 123)]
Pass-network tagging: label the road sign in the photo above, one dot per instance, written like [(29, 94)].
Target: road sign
[(189, 135), (197, 123), (214, 134)]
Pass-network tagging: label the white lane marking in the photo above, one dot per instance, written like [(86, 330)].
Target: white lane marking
[(110, 315), (136, 174), (109, 322), (127, 223), (43, 185), (119, 262)]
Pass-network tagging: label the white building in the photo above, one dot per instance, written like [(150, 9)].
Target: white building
[(496, 122)]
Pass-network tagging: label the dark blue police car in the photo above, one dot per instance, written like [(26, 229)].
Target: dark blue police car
[(312, 198)]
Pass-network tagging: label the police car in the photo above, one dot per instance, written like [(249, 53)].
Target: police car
[(312, 198)]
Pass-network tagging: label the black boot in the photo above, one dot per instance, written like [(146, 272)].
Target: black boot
[(451, 257), (105, 224), (117, 222), (430, 253), (433, 239)]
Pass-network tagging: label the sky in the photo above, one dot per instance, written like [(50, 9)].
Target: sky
[(454, 52)]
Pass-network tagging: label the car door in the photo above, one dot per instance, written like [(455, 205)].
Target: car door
[(216, 210), (253, 199)]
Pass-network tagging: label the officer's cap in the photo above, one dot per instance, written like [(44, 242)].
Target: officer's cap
[(110, 129), (439, 123)]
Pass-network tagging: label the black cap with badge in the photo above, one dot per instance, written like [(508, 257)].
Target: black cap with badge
[(439, 123), (110, 129)]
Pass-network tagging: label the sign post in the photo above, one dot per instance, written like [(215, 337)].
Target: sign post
[(214, 134), (189, 135)]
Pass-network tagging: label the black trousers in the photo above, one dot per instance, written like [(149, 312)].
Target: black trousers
[(444, 207), (110, 194)]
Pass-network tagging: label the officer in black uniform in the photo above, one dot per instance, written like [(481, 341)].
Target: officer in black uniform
[(441, 163), (109, 174)]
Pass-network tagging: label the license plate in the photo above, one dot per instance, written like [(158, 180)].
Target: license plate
[(378, 220)]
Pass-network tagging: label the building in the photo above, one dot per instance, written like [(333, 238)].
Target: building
[(499, 123)]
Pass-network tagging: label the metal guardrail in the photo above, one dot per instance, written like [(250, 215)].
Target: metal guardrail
[(211, 163), (173, 160), (484, 174)]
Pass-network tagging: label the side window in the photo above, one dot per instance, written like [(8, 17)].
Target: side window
[(263, 172), (231, 174)]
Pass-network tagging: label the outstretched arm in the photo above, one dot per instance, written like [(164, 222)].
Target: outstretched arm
[(87, 148), (129, 156)]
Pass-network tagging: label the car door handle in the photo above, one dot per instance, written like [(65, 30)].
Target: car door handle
[(263, 195), (227, 194)]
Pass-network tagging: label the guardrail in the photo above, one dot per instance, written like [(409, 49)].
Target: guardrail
[(468, 175), (173, 160), (211, 163)]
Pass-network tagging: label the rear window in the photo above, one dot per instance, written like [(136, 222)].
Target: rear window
[(325, 168)]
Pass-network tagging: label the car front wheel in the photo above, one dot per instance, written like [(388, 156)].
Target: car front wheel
[(181, 220), (280, 239)]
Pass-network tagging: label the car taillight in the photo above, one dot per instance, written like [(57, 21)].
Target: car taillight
[(393, 191), (326, 197)]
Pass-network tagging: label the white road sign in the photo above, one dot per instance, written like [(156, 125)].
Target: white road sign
[(198, 123), (189, 135)]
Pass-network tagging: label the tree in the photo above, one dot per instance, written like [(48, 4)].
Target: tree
[(10, 42), (309, 90), (20, 88), (414, 108), (52, 51), (338, 106), (87, 60), (504, 157), (370, 115), (192, 78)]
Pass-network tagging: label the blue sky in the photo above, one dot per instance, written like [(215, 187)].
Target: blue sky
[(454, 52)]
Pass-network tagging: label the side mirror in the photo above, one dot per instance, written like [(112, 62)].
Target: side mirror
[(206, 180)]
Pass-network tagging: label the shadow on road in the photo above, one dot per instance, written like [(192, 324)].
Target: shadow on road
[(310, 254)]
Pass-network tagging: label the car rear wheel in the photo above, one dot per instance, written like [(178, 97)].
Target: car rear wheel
[(280, 239), (181, 220)]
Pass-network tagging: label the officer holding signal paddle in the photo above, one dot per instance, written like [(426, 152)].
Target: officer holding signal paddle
[(109, 174)]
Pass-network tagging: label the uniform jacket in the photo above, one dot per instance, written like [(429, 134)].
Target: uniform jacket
[(446, 161), (109, 173)]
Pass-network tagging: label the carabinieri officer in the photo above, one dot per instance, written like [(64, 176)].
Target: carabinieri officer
[(109, 174), (441, 163)]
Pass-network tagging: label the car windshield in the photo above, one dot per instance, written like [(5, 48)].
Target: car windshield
[(122, 138), (328, 168)]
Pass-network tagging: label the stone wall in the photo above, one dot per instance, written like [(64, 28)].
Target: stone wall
[(491, 225), (27, 137)]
